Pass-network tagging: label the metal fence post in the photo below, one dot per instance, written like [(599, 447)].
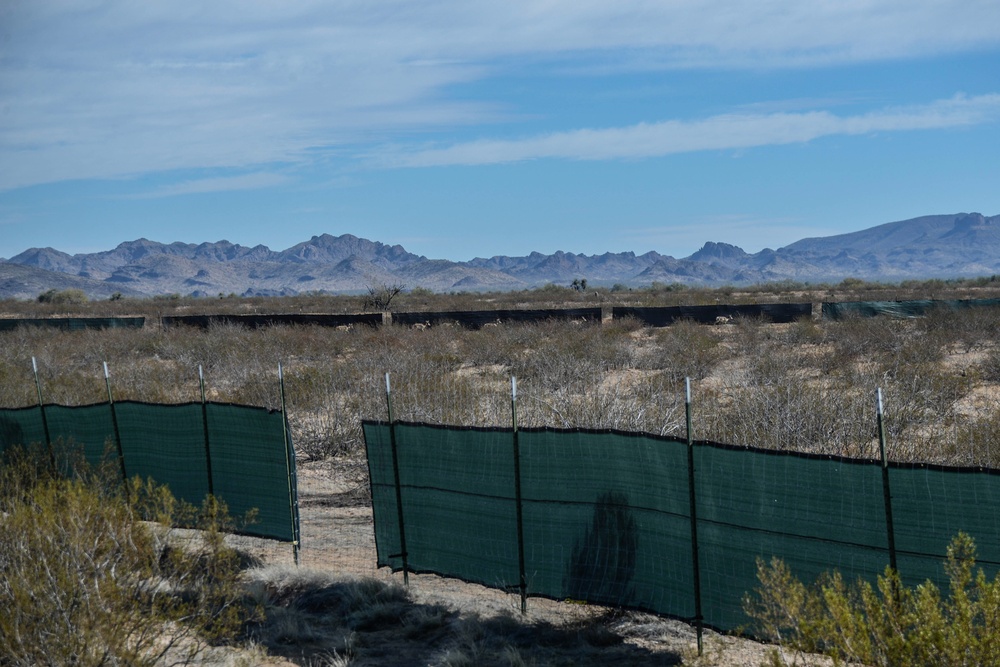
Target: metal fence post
[(890, 532), (204, 421), (114, 425), (293, 495), (522, 579), (399, 489), (693, 510), (45, 420)]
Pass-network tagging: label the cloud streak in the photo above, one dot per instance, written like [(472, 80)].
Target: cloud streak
[(722, 132), (118, 88), (253, 181)]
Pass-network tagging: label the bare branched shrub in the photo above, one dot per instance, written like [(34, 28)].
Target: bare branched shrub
[(380, 296), (683, 350)]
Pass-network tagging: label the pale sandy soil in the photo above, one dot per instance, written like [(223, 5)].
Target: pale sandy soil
[(338, 538)]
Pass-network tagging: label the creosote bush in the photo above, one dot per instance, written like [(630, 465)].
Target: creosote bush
[(888, 624), (85, 581)]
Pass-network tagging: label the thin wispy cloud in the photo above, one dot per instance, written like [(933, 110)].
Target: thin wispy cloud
[(120, 89), (723, 132), (254, 181)]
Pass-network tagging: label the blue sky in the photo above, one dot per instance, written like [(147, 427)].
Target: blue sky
[(466, 129)]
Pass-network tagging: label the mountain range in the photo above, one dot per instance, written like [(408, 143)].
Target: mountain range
[(935, 246)]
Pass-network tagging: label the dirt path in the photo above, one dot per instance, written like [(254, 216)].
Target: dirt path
[(338, 538)]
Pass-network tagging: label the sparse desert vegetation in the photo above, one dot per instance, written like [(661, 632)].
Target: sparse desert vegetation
[(807, 386)]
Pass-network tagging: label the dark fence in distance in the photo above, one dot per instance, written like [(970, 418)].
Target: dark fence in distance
[(476, 319), (778, 313), (261, 321), (656, 316), (901, 309), (74, 323)]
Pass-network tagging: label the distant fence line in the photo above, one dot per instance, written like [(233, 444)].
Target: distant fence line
[(901, 309), (476, 319), (778, 313), (260, 321), (73, 323), (655, 316), (656, 523)]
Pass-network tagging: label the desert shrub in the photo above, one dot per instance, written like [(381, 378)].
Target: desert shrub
[(380, 296), (84, 581), (683, 350), (886, 624), (63, 297), (976, 440), (806, 330), (989, 367), (785, 415)]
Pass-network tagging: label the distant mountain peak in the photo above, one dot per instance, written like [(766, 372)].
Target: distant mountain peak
[(718, 251), (960, 244)]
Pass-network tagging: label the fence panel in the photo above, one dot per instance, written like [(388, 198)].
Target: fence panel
[(251, 465), (166, 443), (88, 429), (606, 519), (933, 503), (816, 513), (458, 491), (661, 316), (606, 515), (73, 323), (21, 425), (900, 309)]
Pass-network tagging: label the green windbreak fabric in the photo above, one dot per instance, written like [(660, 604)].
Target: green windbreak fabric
[(21, 426), (250, 467), (87, 429), (166, 443), (815, 513), (459, 515), (606, 519), (930, 505), (600, 522), (901, 309), (247, 463), (606, 515)]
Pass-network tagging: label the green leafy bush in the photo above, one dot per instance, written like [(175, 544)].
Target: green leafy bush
[(63, 297), (887, 624)]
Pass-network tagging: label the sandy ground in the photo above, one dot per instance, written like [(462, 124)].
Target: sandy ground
[(338, 538)]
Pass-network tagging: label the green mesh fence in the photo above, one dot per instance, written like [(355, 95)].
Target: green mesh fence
[(241, 454), (606, 515), (900, 309)]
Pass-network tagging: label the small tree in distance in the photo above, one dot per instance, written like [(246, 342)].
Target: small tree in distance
[(62, 297), (380, 296)]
